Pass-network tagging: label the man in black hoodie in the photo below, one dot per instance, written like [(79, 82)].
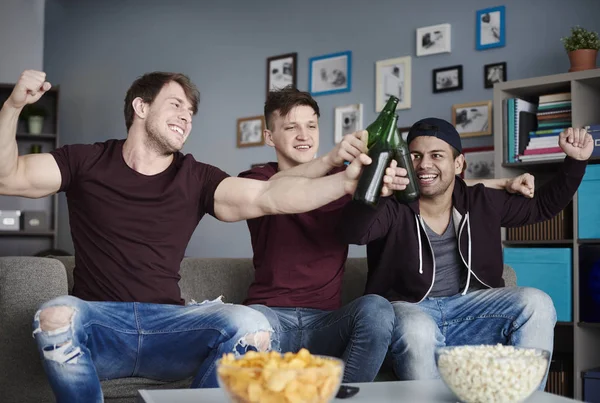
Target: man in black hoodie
[(439, 259)]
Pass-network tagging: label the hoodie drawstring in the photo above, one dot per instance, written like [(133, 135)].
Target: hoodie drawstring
[(468, 223), (420, 246)]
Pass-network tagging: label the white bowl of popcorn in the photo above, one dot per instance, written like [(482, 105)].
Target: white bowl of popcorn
[(272, 377), (492, 374)]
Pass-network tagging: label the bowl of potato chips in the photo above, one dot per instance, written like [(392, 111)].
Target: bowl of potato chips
[(273, 377)]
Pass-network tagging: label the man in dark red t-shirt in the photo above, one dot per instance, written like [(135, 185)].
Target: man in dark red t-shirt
[(298, 258), (133, 206)]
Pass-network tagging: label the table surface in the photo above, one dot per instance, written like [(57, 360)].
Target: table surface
[(392, 391)]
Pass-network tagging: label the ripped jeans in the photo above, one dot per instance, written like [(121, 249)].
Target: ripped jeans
[(107, 340)]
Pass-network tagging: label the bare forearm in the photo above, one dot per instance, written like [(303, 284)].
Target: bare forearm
[(9, 152), (291, 195), (314, 169)]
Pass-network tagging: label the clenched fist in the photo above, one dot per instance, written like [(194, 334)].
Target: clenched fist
[(576, 143), (31, 86)]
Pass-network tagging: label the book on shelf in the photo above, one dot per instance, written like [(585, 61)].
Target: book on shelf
[(562, 96), (555, 229)]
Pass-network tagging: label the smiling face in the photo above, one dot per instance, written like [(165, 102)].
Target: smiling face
[(435, 165), (169, 119), (295, 136)]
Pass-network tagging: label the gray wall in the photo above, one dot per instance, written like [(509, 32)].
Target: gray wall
[(21, 37), (94, 50)]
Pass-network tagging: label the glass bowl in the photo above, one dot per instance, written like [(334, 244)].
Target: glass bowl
[(488, 373), (274, 377)]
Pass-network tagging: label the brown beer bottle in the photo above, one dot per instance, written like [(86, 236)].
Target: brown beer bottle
[(377, 129), (404, 160), (368, 189)]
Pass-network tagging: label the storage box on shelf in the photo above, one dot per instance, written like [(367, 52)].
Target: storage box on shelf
[(35, 230), (579, 342)]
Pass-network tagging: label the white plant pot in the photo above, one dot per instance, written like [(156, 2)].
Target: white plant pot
[(36, 123)]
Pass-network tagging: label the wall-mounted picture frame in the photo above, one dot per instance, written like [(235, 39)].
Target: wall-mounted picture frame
[(330, 74), (479, 163), (404, 132), (473, 119), (447, 79), (348, 119), (393, 77), (490, 29), (250, 131), (281, 71), (434, 39), (494, 73)]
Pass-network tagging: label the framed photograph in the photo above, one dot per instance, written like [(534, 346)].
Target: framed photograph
[(494, 73), (393, 77), (479, 163), (330, 74), (448, 79), (433, 39), (473, 119), (490, 31), (404, 132), (348, 119), (281, 71), (250, 131)]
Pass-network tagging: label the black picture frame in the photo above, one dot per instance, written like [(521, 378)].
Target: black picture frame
[(443, 86), (488, 83), (272, 64)]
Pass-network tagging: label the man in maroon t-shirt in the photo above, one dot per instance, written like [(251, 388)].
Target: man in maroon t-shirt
[(133, 206), (299, 259)]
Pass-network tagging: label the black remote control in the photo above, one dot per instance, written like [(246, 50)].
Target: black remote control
[(346, 391)]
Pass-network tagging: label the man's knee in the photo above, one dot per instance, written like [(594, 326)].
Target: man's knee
[(538, 303), (376, 311), (55, 318), (415, 330), (255, 330)]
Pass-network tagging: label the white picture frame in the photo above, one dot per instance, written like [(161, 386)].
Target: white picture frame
[(393, 77), (348, 119), (434, 39), (480, 163)]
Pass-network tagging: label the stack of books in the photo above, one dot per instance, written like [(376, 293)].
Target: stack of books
[(553, 116)]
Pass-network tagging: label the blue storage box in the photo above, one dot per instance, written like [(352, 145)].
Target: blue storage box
[(588, 200), (591, 386), (547, 269)]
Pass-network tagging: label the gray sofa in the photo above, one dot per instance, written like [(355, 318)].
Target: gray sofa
[(27, 282)]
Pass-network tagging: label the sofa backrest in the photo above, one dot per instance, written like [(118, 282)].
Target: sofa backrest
[(208, 278)]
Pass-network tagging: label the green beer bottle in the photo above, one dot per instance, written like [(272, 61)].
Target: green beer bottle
[(404, 160), (377, 129), (370, 182)]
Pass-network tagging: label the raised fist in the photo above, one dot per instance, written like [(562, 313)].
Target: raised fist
[(31, 86)]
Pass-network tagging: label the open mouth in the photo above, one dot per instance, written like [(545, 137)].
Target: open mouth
[(303, 147), (427, 179), (176, 129)]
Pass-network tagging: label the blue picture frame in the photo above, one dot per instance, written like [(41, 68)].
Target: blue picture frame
[(491, 28), (330, 74)]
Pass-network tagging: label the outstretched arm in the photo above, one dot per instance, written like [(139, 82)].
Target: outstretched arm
[(523, 184), (240, 199), (34, 175)]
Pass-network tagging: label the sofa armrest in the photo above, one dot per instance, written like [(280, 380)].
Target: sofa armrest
[(25, 284)]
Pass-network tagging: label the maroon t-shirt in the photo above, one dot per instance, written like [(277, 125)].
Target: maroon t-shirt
[(130, 231), (298, 258)]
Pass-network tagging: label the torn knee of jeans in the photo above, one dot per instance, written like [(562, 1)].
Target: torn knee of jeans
[(259, 341), (54, 320), (63, 353)]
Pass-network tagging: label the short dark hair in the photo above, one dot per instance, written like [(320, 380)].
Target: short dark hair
[(283, 100), (149, 85)]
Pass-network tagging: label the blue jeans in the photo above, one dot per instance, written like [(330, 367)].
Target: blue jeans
[(516, 316), (107, 340), (359, 333)]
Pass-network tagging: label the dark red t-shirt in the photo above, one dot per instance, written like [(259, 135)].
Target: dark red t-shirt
[(298, 258), (130, 231)]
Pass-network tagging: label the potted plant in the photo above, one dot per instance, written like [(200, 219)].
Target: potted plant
[(34, 115), (582, 46)]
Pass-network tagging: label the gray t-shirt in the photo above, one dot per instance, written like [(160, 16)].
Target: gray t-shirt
[(450, 271)]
